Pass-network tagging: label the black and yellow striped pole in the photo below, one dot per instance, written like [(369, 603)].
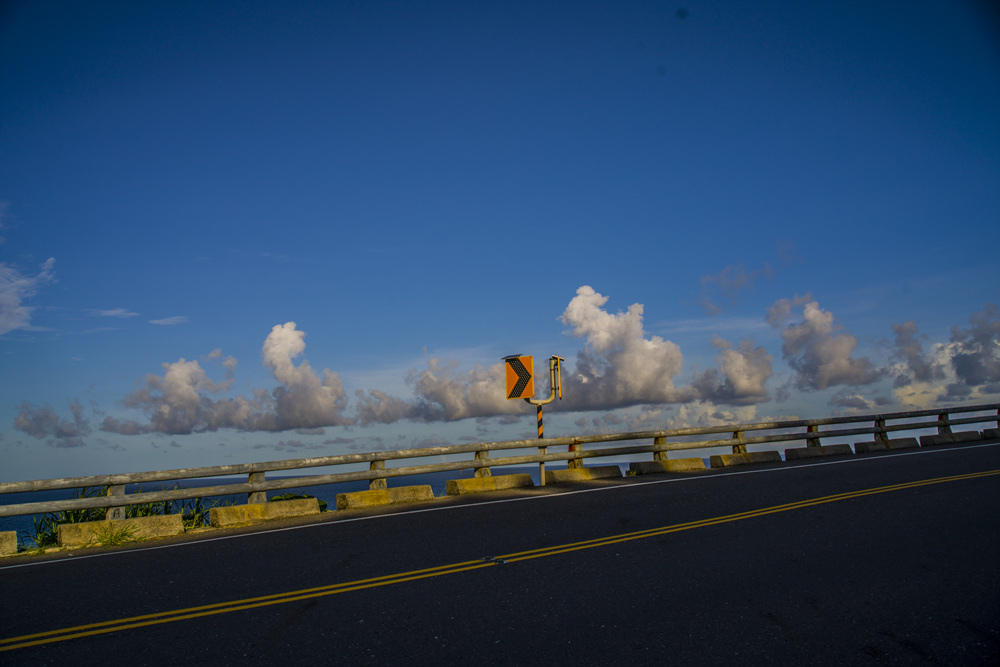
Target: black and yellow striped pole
[(521, 384)]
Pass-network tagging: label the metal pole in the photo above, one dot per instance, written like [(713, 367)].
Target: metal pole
[(541, 450)]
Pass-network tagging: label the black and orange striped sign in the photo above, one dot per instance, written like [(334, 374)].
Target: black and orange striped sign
[(520, 376)]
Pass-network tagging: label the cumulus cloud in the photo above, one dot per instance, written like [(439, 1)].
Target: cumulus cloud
[(179, 401), (909, 349), (619, 365), (976, 350), (43, 422), (967, 366), (303, 399), (15, 288), (740, 377), (819, 352)]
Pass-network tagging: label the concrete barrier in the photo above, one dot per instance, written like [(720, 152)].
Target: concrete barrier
[(458, 487), (240, 515), (100, 532), (949, 438), (8, 543), (727, 460), (991, 433), (883, 445), (581, 474), (667, 465), (819, 450), (376, 497)]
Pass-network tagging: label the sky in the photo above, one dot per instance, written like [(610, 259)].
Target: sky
[(251, 231)]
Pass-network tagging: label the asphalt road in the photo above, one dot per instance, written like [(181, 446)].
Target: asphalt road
[(889, 559)]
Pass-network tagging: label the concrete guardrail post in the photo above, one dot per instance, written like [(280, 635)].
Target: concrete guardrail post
[(378, 482), (660, 456), (484, 471), (115, 512), (739, 447), (256, 497), (880, 433), (812, 442), (575, 463), (944, 427)]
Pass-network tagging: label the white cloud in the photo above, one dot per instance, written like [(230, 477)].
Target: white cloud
[(171, 321), (178, 402), (741, 376), (965, 368), (15, 288), (702, 414), (619, 365), (302, 400), (121, 313), (817, 350)]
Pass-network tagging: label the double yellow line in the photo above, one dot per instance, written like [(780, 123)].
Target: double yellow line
[(117, 625)]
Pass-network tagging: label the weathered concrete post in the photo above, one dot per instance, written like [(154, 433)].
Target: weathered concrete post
[(944, 428), (256, 497), (660, 456), (484, 471), (812, 442), (378, 482), (575, 463), (116, 512), (880, 434), (739, 447)]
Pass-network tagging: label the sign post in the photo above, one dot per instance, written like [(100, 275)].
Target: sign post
[(521, 384)]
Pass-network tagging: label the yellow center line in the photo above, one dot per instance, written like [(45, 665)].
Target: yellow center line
[(144, 620)]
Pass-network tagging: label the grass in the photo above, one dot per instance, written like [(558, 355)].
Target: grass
[(194, 513), (113, 534)]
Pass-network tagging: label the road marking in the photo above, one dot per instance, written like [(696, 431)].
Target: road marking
[(133, 622)]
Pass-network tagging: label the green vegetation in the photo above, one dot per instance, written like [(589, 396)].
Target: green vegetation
[(115, 534), (194, 512)]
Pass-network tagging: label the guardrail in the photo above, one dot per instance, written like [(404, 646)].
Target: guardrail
[(257, 485)]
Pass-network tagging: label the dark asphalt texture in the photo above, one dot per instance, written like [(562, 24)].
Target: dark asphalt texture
[(908, 576)]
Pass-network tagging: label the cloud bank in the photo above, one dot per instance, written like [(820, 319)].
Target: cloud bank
[(619, 365)]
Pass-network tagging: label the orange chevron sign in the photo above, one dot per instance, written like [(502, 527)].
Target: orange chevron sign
[(520, 376)]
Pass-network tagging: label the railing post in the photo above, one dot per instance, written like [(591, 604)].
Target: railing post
[(998, 417), (880, 434), (575, 463), (115, 512), (944, 428), (256, 497), (739, 447), (660, 456), (484, 471), (812, 442), (377, 482)]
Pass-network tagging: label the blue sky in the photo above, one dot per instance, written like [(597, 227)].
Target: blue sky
[(715, 211)]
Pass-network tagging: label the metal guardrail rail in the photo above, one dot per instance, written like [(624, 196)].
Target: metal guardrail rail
[(256, 486)]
